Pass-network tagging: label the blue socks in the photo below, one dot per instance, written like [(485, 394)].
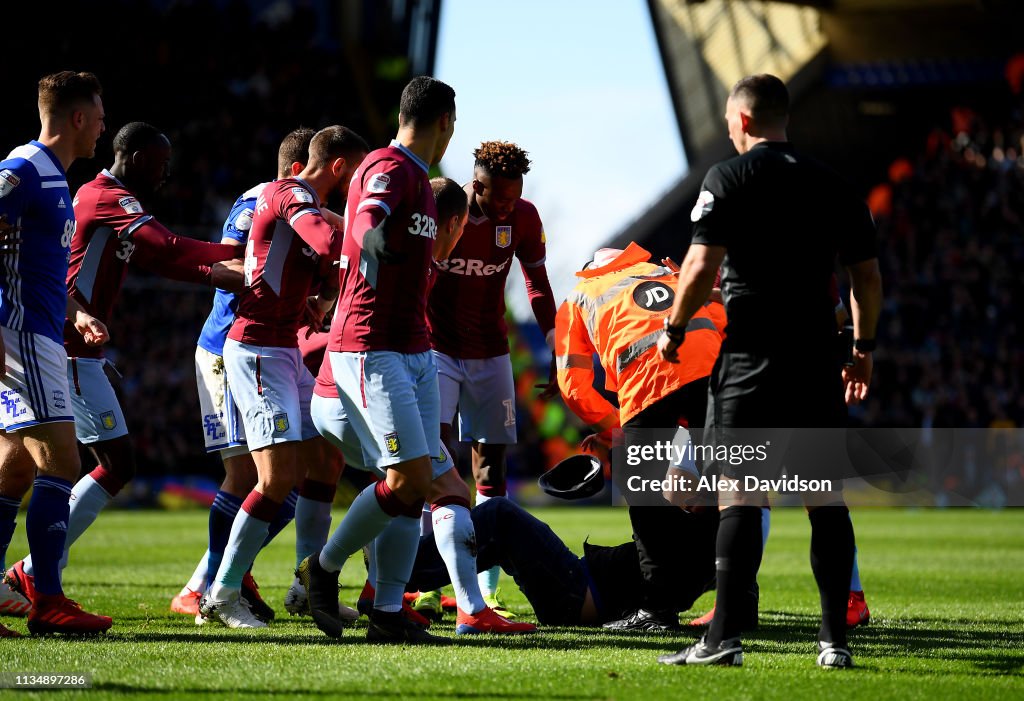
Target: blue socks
[(222, 515), (47, 526)]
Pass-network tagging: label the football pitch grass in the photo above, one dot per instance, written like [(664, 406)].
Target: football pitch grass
[(945, 588)]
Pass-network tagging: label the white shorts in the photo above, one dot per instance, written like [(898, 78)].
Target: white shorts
[(272, 389), (483, 391), (222, 422), (98, 415), (35, 388), (392, 403), (332, 423)]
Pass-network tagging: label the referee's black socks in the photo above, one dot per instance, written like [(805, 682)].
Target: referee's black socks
[(737, 559), (832, 562)]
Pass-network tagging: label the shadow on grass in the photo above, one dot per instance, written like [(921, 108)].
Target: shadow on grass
[(994, 650), (991, 648)]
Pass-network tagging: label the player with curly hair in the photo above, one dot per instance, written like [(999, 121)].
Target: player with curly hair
[(466, 316)]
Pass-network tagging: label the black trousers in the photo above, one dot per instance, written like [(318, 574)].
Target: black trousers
[(664, 559)]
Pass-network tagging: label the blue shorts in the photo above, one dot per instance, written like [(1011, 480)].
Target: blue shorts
[(483, 390), (392, 403), (98, 415), (272, 389), (35, 388), (223, 429)]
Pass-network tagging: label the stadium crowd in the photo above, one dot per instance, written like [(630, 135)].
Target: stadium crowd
[(949, 221)]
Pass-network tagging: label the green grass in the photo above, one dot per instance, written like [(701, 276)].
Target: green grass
[(946, 591)]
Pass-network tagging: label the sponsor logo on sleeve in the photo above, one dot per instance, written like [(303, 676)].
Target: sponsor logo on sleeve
[(543, 237), (8, 181), (378, 183), (502, 236), (243, 222), (302, 195), (130, 205), (392, 443), (705, 202)]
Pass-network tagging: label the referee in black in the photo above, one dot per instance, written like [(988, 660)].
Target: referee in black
[(775, 221)]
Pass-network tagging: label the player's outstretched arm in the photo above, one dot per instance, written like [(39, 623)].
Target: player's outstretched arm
[(228, 275), (178, 257)]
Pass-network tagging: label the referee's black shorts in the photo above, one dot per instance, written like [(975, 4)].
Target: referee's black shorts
[(753, 398)]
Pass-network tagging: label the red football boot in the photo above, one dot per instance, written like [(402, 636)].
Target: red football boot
[(487, 621), (56, 613), (24, 584), (857, 613), (186, 604)]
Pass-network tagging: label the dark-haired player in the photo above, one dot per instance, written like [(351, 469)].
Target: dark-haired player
[(222, 424), (114, 229), (289, 244), (380, 354), (449, 495), (466, 316), (37, 440)]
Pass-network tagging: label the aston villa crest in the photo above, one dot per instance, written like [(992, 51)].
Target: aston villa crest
[(280, 423), (502, 236), (391, 443)]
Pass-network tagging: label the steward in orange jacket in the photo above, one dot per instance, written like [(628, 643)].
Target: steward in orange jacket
[(618, 311)]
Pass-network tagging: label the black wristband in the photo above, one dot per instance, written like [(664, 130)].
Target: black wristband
[(865, 345), (676, 333)]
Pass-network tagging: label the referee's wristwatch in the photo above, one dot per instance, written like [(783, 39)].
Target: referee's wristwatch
[(676, 334), (865, 345)]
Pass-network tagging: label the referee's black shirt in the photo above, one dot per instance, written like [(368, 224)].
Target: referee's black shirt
[(783, 218)]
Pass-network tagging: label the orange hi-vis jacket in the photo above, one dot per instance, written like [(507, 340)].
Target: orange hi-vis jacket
[(618, 311)]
